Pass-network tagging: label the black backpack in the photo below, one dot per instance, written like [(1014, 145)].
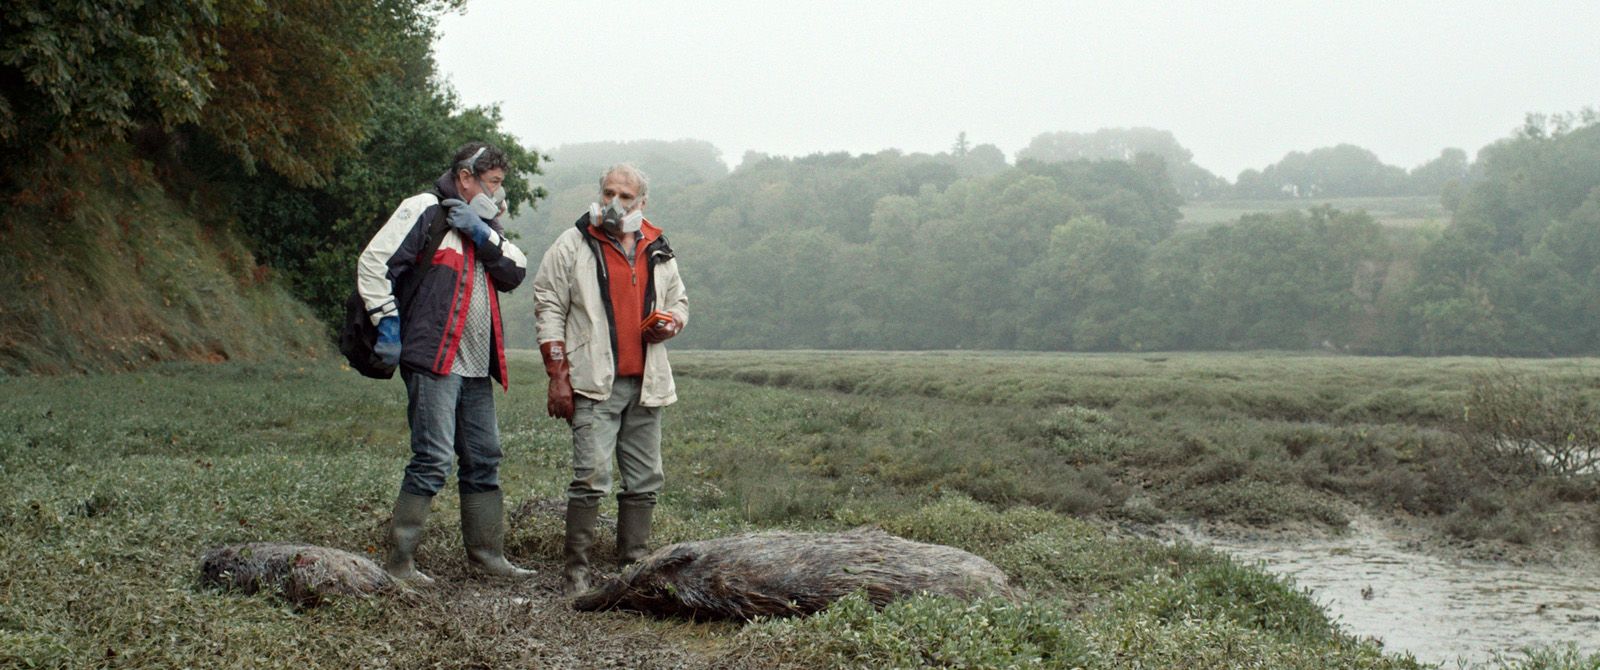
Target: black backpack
[(358, 336)]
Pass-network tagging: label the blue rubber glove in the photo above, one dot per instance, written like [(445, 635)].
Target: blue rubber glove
[(463, 219), (388, 346)]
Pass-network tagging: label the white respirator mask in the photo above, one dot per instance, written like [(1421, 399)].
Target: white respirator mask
[(615, 216), (485, 206)]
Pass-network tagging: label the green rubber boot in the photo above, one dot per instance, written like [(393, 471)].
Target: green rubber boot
[(484, 534), (405, 533), (633, 530), (580, 536)]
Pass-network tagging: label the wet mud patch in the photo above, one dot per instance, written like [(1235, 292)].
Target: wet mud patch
[(495, 623)]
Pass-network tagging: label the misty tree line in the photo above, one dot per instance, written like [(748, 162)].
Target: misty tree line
[(954, 250), (1339, 171), (1073, 248)]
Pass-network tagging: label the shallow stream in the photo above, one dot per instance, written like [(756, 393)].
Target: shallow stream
[(1440, 610)]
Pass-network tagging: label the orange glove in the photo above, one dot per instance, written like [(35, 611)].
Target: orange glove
[(559, 403)]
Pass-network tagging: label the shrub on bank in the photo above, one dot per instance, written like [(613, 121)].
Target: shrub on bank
[(1532, 420)]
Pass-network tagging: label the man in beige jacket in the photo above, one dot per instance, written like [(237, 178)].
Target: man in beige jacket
[(608, 296)]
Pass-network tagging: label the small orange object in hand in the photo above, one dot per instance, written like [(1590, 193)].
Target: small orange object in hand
[(659, 327)]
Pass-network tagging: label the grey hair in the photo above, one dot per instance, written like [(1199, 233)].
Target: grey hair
[(630, 173)]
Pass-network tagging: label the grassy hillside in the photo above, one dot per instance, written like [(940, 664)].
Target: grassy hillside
[(107, 272), (111, 486)]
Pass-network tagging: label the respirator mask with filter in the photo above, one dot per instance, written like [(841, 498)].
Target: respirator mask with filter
[(617, 216), (486, 204)]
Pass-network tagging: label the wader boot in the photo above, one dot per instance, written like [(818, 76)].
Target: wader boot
[(405, 533), (633, 530), (484, 534), (580, 536)]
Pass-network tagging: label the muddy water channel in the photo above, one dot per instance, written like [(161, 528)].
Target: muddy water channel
[(1440, 610)]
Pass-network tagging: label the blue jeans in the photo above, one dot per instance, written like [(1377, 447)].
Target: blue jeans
[(451, 415), (619, 429)]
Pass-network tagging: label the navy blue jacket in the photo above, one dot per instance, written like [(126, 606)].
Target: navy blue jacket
[(432, 305)]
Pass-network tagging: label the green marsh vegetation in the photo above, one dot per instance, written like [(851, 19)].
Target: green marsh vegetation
[(113, 485), (1259, 440)]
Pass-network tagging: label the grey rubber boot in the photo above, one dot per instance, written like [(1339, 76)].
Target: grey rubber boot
[(405, 533), (483, 532), (633, 530), (580, 536)]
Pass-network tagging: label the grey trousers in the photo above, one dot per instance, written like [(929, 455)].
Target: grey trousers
[(618, 427)]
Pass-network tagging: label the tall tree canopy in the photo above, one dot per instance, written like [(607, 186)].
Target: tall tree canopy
[(301, 122), (74, 74), (287, 85)]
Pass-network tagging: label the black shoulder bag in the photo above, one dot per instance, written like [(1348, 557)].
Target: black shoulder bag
[(358, 336)]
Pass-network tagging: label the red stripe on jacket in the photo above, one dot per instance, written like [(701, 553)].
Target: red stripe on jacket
[(459, 301), (499, 337), (449, 258)]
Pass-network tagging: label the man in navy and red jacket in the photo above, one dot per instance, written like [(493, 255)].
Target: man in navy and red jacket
[(439, 319)]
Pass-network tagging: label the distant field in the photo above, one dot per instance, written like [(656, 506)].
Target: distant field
[(1401, 211), (111, 486)]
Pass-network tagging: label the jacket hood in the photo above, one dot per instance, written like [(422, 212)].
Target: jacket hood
[(446, 185)]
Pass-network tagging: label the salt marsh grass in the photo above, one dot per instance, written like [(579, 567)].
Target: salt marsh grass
[(111, 486)]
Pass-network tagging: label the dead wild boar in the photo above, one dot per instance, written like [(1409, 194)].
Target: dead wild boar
[(301, 573), (791, 574)]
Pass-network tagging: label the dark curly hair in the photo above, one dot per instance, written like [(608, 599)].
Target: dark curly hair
[(479, 157)]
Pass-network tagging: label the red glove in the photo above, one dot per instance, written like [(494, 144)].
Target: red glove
[(559, 404), (662, 331)]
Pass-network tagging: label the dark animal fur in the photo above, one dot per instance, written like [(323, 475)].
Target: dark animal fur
[(303, 574), (791, 574)]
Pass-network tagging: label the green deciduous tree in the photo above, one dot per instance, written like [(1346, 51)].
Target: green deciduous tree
[(1124, 144), (1337, 171), (1083, 287), (77, 73), (302, 78), (302, 122), (1133, 195), (1433, 177), (1514, 273), (1287, 281), (286, 85), (312, 234)]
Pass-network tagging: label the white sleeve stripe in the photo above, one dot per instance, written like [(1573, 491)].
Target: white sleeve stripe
[(372, 270)]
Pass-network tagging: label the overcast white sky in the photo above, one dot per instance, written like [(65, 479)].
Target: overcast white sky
[(1239, 83)]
